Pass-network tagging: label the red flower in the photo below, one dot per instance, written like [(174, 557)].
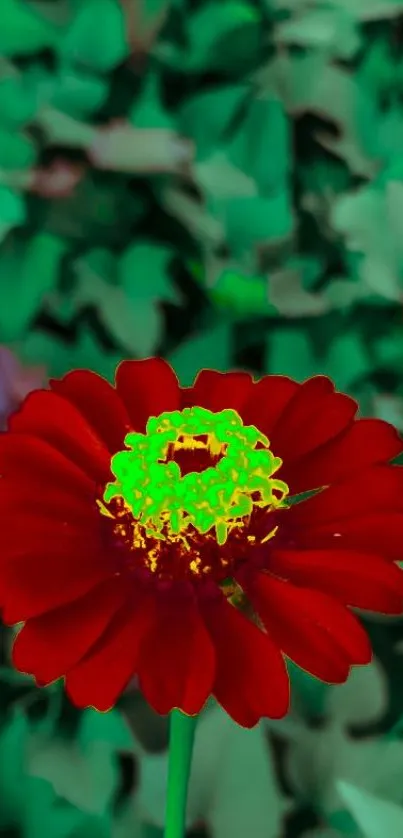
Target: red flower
[(193, 608)]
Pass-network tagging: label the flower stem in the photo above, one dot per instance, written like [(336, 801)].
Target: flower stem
[(181, 738)]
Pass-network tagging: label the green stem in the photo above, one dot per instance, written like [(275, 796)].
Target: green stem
[(181, 738)]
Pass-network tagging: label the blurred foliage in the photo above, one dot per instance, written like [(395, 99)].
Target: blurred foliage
[(220, 183)]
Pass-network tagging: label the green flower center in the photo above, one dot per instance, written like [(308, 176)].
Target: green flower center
[(168, 505)]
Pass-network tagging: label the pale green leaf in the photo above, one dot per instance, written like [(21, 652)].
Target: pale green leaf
[(210, 349), (143, 273), (374, 816), (60, 356), (96, 37), (289, 352), (78, 93), (34, 270)]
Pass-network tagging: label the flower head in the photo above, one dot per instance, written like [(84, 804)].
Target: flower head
[(164, 532)]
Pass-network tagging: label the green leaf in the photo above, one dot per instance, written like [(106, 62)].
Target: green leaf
[(61, 356), (86, 779), (22, 30), (135, 324), (148, 110), (206, 116), (262, 146), (389, 350), (94, 827), (44, 814), (371, 224), (211, 349), (16, 150), (389, 408), (221, 34), (377, 72), (12, 209), (347, 361), (13, 741), (35, 269), (238, 767), (143, 273), (390, 132), (287, 294), (151, 831), (289, 352), (374, 816), (361, 700), (242, 295), (96, 37), (18, 102), (77, 93), (108, 727), (251, 221), (310, 693), (330, 30)]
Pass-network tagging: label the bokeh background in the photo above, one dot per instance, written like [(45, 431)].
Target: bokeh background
[(219, 182)]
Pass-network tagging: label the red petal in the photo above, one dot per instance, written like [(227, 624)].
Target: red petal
[(376, 489), (311, 628), (267, 401), (177, 661), (147, 388), (48, 646), (100, 678), (55, 420), (251, 677), (43, 533), (35, 478), (55, 502), (218, 390), (37, 578), (378, 532), (361, 580), (367, 442), (28, 458), (314, 415), (99, 403)]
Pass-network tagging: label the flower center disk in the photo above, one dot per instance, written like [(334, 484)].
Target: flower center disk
[(181, 520)]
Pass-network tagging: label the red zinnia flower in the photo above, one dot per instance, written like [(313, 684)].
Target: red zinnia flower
[(182, 560)]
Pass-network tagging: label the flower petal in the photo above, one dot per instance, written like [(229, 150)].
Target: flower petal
[(26, 456), (38, 577), (147, 388), (376, 532), (36, 478), (177, 662), (361, 580), (218, 390), (267, 402), (41, 532), (44, 500), (54, 419), (311, 628), (314, 415), (375, 489), (48, 646), (98, 402), (366, 442), (100, 678), (251, 677), (323, 423)]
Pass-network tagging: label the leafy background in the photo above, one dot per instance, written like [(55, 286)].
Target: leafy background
[(220, 183)]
